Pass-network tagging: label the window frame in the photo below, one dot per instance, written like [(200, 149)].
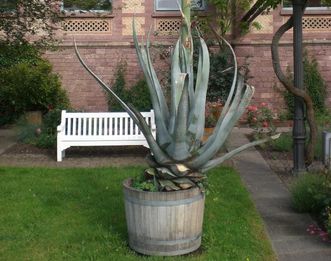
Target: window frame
[(159, 9), (82, 11)]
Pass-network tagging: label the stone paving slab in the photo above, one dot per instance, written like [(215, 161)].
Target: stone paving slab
[(286, 228), (303, 256)]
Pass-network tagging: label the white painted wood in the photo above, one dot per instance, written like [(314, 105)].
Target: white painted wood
[(100, 129)]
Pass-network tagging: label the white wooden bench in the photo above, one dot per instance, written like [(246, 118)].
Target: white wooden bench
[(100, 129)]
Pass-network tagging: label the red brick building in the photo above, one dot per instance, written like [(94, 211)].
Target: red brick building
[(105, 38)]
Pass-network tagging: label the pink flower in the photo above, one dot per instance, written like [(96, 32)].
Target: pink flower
[(264, 104), (265, 124), (252, 108)]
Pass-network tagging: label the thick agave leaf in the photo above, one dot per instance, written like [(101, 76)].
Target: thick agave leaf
[(208, 151), (215, 162), (158, 154), (163, 136), (179, 149), (168, 185), (150, 172), (148, 69), (157, 86), (187, 44), (197, 113), (230, 99), (183, 183), (219, 129), (165, 173), (234, 82), (175, 89)]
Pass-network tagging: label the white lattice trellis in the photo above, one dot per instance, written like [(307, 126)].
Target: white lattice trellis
[(87, 25), (316, 23), (168, 26)]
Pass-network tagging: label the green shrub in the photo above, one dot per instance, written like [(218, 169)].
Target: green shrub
[(43, 136), (313, 81), (27, 132), (118, 87), (13, 54), (284, 143), (312, 193), (138, 95), (26, 87), (220, 80)]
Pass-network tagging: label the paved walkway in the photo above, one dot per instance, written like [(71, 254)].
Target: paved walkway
[(286, 229)]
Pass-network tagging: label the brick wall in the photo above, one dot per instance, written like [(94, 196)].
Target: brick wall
[(104, 50)]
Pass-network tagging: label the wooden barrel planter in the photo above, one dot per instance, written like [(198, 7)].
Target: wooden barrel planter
[(164, 223)]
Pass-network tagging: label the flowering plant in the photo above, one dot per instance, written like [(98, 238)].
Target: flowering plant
[(212, 113), (260, 117)]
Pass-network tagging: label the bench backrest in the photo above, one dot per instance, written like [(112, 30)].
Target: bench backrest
[(99, 124)]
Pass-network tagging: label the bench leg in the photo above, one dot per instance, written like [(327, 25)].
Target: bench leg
[(59, 154)]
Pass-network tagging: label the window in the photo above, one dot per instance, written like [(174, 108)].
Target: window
[(8, 5), (86, 5), (172, 5), (312, 4)]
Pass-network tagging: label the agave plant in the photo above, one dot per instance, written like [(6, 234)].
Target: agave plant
[(179, 158)]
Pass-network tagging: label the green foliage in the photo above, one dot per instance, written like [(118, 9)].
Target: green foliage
[(228, 11), (59, 214), (141, 183), (29, 87), (27, 132), (12, 54), (312, 193), (47, 138), (87, 4), (44, 135), (138, 95), (314, 84), (26, 19), (118, 87), (220, 78), (304, 192), (283, 144)]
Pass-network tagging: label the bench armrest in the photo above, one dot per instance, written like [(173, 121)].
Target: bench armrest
[(61, 127)]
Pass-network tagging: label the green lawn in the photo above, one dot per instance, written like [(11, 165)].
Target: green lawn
[(78, 214)]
